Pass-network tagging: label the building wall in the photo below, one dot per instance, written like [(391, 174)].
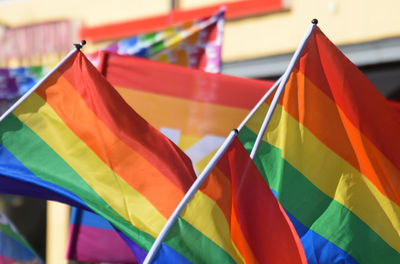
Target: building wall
[(343, 21)]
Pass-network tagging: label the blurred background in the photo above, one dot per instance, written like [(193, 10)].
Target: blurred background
[(259, 39)]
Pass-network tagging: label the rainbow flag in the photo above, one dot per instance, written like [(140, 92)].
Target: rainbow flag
[(193, 110), (234, 218), (195, 44), (74, 136), (13, 246), (331, 155)]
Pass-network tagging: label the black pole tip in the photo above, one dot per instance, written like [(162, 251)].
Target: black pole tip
[(314, 21), (236, 131), (78, 46)]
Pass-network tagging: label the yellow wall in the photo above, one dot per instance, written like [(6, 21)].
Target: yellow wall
[(89, 12), (343, 21)]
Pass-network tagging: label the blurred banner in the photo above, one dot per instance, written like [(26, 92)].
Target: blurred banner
[(31, 43), (196, 44)]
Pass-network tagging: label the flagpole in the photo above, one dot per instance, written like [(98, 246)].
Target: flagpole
[(31, 90), (262, 100), (282, 84), (189, 194)]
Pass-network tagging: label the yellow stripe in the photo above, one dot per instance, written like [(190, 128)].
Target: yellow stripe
[(331, 174), (206, 216), (114, 190), (192, 118)]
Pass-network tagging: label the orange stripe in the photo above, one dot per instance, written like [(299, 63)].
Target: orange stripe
[(122, 159), (335, 130)]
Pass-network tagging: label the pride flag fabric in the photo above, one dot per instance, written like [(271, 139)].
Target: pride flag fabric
[(13, 246), (195, 44), (331, 155), (75, 138), (196, 110), (238, 218)]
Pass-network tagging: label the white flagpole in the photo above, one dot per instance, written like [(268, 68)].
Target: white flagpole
[(189, 194), (31, 90), (282, 84)]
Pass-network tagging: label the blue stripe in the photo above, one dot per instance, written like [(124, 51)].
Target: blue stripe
[(83, 217), (167, 255), (15, 178)]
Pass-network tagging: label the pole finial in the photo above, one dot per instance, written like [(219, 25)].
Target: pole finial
[(78, 46), (314, 21)]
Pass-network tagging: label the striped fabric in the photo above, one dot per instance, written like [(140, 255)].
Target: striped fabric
[(234, 218), (196, 110), (74, 137), (331, 155), (192, 110), (13, 247), (196, 44)]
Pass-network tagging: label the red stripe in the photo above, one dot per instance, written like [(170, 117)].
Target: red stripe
[(107, 105), (171, 80), (362, 103), (264, 224)]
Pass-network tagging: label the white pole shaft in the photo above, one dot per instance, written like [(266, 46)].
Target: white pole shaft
[(282, 84), (30, 91), (189, 194), (255, 108)]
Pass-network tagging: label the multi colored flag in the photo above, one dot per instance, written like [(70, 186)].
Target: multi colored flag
[(331, 155), (193, 110), (13, 246), (233, 218), (80, 141), (195, 44)]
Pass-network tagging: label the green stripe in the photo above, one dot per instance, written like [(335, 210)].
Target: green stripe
[(150, 37), (194, 246), (315, 210), (156, 47), (46, 164)]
